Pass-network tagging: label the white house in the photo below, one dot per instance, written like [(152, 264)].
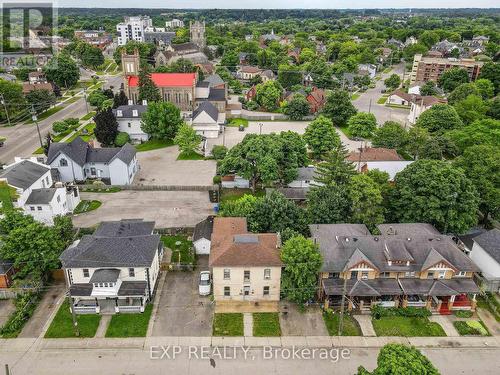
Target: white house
[(304, 179), (79, 161), (383, 159), (420, 104), (368, 69), (129, 121), (202, 236), (486, 254), (400, 97), (37, 195), (207, 120), (115, 270)]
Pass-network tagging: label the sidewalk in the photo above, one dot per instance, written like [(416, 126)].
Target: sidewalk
[(365, 322)]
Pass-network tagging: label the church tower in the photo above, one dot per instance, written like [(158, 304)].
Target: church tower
[(197, 34)]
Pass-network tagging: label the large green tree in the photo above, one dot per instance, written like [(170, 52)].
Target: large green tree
[(453, 78), (491, 72), (329, 204), (302, 262), (435, 192), (297, 108), (62, 70), (471, 109), (147, 88), (106, 127), (187, 139), (338, 107), (485, 131), (439, 118), (335, 169), (390, 135), (41, 99), (366, 201), (268, 95), (161, 120), (362, 125), (392, 82), (321, 137), (13, 99)]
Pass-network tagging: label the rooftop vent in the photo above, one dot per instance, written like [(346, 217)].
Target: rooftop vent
[(375, 238)]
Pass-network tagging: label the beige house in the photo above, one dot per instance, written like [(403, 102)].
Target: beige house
[(246, 267)]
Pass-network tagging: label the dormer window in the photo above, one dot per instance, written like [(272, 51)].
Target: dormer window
[(135, 113), (119, 113)]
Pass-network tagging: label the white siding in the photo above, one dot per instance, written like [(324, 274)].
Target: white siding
[(489, 266), (132, 126), (202, 246), (71, 172)]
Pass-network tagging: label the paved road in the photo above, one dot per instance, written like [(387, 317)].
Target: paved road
[(132, 361), (367, 102), (23, 139)]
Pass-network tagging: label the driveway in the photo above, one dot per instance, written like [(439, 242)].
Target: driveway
[(169, 209), (181, 311), (296, 323), (160, 167), (34, 326), (233, 136), (7, 307)]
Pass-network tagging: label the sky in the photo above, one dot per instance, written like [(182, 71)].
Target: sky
[(277, 4)]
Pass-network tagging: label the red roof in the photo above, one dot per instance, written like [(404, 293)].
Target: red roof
[(167, 79)]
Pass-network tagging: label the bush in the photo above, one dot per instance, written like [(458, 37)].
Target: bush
[(121, 139), (25, 307), (252, 106), (462, 313), (59, 127), (217, 179), (471, 327), (409, 312), (219, 152)]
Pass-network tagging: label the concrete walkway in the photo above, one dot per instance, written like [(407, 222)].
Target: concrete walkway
[(490, 321), (365, 322), (247, 324), (103, 326), (447, 324)]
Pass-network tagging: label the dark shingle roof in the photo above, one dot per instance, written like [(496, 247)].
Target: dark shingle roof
[(80, 290), (126, 153), (105, 275), (23, 174), (217, 95), (204, 229), (214, 80), (306, 173), (5, 266), (76, 150), (132, 288), (362, 288), (41, 196), (208, 108), (298, 194), (124, 228), (127, 111), (490, 242)]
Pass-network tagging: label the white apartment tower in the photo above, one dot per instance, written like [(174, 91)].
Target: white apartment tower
[(133, 29)]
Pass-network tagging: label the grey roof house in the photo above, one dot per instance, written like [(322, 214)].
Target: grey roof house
[(115, 269), (79, 161), (485, 253), (129, 121)]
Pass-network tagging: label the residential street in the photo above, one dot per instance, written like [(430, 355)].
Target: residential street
[(381, 112), (137, 361)]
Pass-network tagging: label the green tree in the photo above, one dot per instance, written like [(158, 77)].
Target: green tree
[(335, 169), (121, 139), (14, 99), (41, 99), (338, 107), (471, 109), (289, 75), (481, 165), (491, 72), (297, 108), (219, 152), (392, 82), (187, 139), (417, 139), (429, 38), (63, 226), (268, 95), (302, 262), (241, 207), (321, 136), (97, 98), (390, 135), (161, 120), (435, 192), (414, 49), (362, 125), (462, 91), (428, 89), (120, 99), (366, 199), (494, 108), (328, 204), (62, 70), (452, 78), (182, 66), (147, 88), (106, 127), (398, 359), (481, 132), (230, 60), (440, 118), (485, 88)]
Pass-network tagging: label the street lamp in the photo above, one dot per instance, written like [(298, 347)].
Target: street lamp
[(260, 128)]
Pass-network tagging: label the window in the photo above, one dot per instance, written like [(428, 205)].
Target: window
[(39, 208), (58, 199), (86, 272), (384, 275), (409, 274), (227, 291), (131, 272), (267, 273), (119, 113), (63, 163), (32, 208), (364, 275), (461, 274), (227, 273), (129, 125), (430, 275), (333, 275), (442, 274), (265, 291), (246, 275), (47, 179)]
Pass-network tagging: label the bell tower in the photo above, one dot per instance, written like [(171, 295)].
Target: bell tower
[(197, 33)]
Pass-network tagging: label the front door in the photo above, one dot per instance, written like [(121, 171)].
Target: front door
[(246, 291)]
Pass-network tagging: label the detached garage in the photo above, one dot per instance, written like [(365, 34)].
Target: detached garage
[(202, 236)]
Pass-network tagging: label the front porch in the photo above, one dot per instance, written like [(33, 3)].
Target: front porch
[(109, 305)]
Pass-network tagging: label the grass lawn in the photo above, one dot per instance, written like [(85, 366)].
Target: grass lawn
[(355, 96), (38, 151), (7, 195), (407, 327), (130, 325), (47, 113), (351, 326), (235, 194), (387, 70), (154, 144), (113, 189), (228, 324), (86, 206), (397, 106), (62, 325), (345, 130), (236, 122), (382, 100), (190, 156), (471, 328), (182, 252), (85, 137), (462, 313), (482, 302), (266, 324), (88, 116)]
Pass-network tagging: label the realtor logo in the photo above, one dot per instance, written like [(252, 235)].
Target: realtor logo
[(27, 33)]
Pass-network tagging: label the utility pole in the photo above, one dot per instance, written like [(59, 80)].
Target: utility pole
[(342, 305), (73, 316), (260, 128), (2, 100), (370, 107), (85, 98), (35, 120)]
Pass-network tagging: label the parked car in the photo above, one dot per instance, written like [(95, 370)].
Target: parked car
[(205, 283)]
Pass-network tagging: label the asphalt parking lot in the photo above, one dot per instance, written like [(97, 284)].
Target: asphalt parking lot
[(161, 167), (181, 311), (169, 209), (301, 323)]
